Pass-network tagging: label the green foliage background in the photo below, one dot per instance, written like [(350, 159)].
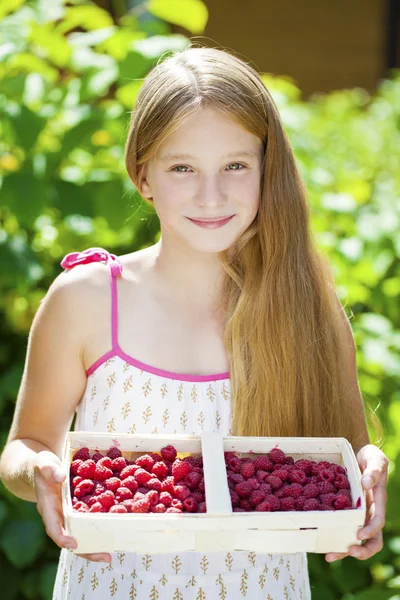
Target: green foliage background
[(69, 76)]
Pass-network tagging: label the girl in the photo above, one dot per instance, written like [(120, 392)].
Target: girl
[(232, 313)]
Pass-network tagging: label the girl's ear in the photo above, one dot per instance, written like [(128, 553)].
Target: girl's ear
[(144, 186)]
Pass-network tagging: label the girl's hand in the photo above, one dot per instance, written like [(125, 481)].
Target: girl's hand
[(48, 477), (373, 464)]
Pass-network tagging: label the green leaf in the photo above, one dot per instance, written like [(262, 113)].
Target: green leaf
[(28, 126), (190, 14), (47, 579), (111, 202), (72, 199), (8, 6), (87, 17), (25, 196), (22, 542)]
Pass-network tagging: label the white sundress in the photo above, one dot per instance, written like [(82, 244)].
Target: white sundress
[(124, 395)]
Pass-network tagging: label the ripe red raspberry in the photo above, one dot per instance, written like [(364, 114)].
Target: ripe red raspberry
[(256, 484), (202, 487), (261, 475), (299, 502), (315, 468), (168, 453), (198, 496), (281, 473), (338, 469), (153, 497), (99, 488), (176, 503), (192, 480), (86, 469), (288, 504), (294, 490), (271, 503), (247, 470), (142, 476), (96, 507), (101, 473), (244, 489), (84, 487), (123, 493), (341, 482), (81, 507), (153, 484), (112, 484), (313, 479), (311, 504), (168, 484), (195, 461), (326, 475), (138, 496), (160, 469), (235, 464), (297, 476), (323, 506), (235, 500), (310, 490), (257, 496), (89, 499), (202, 507), (274, 482), (190, 504), (165, 498), (263, 463), (140, 506), (342, 502), (107, 499), (343, 492), (159, 508), (289, 460), (173, 509), (324, 463), (228, 456), (236, 509), (75, 466), (130, 483), (265, 487), (114, 452), (304, 465), (325, 487), (245, 503), (235, 477), (327, 498), (181, 492), (96, 456), (280, 493), (106, 461), (145, 462), (82, 454), (118, 464), (118, 508), (277, 456), (180, 469), (128, 471), (77, 479)]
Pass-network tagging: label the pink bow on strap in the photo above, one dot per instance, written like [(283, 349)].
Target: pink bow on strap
[(92, 255)]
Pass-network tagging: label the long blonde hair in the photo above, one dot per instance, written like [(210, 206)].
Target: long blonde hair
[(284, 335)]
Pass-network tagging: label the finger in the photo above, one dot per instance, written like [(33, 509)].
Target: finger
[(97, 557), (371, 547), (376, 468), (378, 514), (332, 556), (53, 524)]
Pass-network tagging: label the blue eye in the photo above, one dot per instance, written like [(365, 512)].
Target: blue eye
[(185, 167)]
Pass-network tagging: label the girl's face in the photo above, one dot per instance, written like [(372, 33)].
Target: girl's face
[(210, 167)]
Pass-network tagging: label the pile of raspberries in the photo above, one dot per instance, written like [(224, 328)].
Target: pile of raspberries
[(153, 483), (275, 482)]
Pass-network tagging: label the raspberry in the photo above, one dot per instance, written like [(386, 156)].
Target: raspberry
[(281, 473), (297, 476), (235, 464), (86, 469), (172, 509), (273, 481), (99, 488), (160, 469), (130, 483), (123, 493), (114, 452), (176, 503), (138, 496), (244, 489), (192, 480), (168, 453), (84, 487), (299, 502), (82, 454), (236, 478), (294, 490), (271, 503), (167, 484), (128, 471), (288, 504), (277, 456), (263, 463), (180, 469), (75, 466), (328, 498), (77, 479), (145, 462), (101, 473), (165, 498), (342, 502), (281, 492), (181, 492), (311, 504), (112, 484), (236, 509), (341, 482), (256, 484), (289, 460), (158, 508), (107, 499), (96, 507), (105, 462), (152, 495), (256, 497), (155, 456), (96, 456), (228, 456), (304, 465), (190, 504), (202, 487), (324, 463), (310, 490), (313, 479), (247, 470), (118, 464), (153, 484), (261, 475), (140, 506), (90, 499), (265, 487), (81, 507), (235, 498), (325, 487), (199, 497), (142, 476), (245, 503), (118, 508), (344, 492), (202, 507), (323, 506), (326, 475)]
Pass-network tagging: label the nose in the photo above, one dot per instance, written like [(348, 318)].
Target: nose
[(211, 192)]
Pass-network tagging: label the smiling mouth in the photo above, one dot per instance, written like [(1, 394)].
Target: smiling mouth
[(211, 220)]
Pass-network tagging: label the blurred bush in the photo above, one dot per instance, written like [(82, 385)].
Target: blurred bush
[(69, 76)]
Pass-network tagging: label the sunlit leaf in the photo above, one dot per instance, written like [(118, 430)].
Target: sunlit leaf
[(190, 14)]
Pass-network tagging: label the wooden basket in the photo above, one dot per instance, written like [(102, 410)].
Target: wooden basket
[(265, 532)]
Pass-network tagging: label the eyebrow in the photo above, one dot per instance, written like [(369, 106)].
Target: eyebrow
[(173, 156)]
